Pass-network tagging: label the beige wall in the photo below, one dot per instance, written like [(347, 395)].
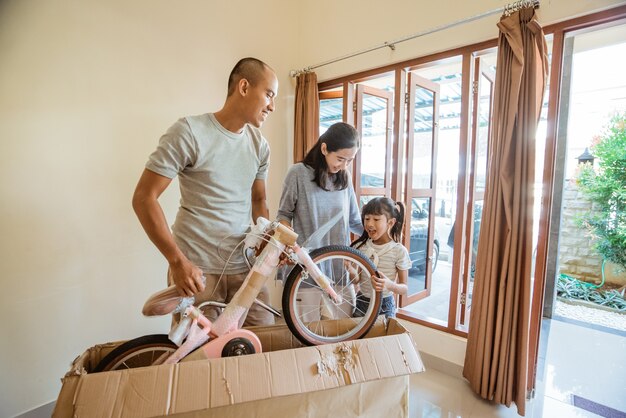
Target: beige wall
[(86, 89), (336, 28)]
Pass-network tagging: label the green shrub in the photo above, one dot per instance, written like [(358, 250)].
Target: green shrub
[(570, 288), (606, 187)]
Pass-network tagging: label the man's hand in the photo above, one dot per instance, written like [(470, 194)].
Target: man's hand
[(264, 241), (188, 278)]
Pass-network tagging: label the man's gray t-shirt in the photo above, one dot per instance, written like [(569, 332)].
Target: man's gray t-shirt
[(308, 207), (216, 169)]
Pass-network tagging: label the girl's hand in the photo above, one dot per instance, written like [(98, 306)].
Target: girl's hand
[(352, 271), (380, 283)]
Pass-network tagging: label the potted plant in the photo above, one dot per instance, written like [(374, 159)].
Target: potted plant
[(606, 187)]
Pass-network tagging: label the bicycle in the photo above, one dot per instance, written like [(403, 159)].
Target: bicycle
[(320, 275)]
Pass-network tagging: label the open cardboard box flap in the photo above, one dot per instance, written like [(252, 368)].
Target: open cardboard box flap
[(281, 370)]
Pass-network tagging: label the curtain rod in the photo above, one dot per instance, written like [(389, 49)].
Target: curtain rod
[(506, 11)]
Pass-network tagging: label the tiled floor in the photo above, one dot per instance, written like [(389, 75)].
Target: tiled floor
[(574, 360)]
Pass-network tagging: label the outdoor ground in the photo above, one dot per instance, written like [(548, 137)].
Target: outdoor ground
[(591, 315)]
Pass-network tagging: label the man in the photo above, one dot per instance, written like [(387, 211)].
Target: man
[(221, 160)]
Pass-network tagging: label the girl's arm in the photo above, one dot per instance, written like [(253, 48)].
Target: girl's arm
[(402, 288), (355, 277), (384, 283)]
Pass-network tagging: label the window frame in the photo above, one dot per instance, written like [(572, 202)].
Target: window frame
[(558, 30)]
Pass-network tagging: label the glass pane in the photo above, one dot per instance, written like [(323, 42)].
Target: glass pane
[(364, 199), (448, 75), (542, 131), (478, 216), (418, 244), (373, 176), (483, 119), (484, 102), (423, 123), (331, 111), (374, 141)]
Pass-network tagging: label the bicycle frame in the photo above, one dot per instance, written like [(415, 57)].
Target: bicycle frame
[(198, 329)]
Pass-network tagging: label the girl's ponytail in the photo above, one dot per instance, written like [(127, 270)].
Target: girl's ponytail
[(396, 229)]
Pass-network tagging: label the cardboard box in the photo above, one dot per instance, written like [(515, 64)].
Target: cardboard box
[(361, 378)]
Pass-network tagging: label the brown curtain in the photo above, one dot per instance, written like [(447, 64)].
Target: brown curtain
[(307, 115), (496, 360)]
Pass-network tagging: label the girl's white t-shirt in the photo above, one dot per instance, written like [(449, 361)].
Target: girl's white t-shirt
[(388, 258)]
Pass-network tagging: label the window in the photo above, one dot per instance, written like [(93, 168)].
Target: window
[(425, 127)]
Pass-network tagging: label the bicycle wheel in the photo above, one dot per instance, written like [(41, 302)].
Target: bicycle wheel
[(139, 352), (308, 309)]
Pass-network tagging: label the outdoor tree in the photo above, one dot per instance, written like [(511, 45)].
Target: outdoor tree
[(606, 187)]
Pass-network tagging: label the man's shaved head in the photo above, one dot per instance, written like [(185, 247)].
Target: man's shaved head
[(249, 68)]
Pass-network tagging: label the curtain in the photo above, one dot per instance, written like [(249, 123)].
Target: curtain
[(307, 114), (496, 360)]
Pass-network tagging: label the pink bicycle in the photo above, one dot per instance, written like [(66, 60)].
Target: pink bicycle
[(317, 289)]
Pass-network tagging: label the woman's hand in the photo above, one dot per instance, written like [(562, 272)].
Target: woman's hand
[(283, 259)]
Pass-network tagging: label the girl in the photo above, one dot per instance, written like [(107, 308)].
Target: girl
[(383, 220), (318, 188)]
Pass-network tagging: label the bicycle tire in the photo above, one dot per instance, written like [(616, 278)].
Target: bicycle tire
[(295, 309), (138, 352)]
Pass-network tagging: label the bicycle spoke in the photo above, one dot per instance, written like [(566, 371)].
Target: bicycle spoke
[(314, 308), (347, 314), (314, 285), (306, 320)]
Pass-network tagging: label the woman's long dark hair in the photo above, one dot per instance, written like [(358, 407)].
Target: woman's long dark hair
[(382, 206), (338, 136)]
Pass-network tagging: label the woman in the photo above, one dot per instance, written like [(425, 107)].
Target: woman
[(316, 190)]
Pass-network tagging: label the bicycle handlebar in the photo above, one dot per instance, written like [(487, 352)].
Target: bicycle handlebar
[(167, 301)]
